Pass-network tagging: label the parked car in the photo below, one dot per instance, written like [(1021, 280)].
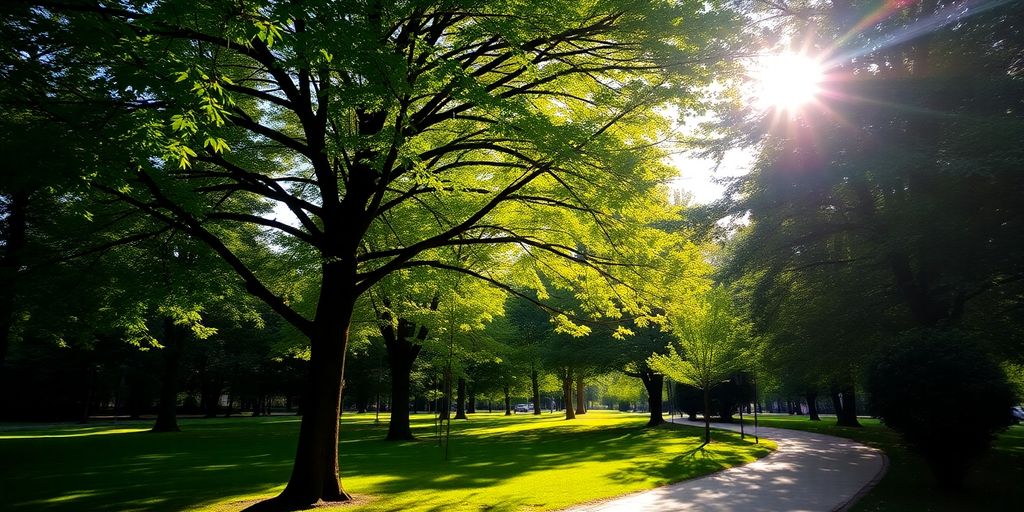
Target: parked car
[(524, 407), (1018, 413)]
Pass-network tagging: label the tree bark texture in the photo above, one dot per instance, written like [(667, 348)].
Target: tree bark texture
[(403, 343), (581, 396), (567, 393), (315, 474), (654, 382)]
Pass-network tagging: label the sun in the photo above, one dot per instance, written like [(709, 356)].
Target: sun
[(786, 81)]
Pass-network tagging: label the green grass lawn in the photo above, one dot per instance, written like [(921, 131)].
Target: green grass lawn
[(495, 462), (994, 483)]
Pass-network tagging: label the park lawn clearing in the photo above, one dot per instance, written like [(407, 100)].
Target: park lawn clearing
[(495, 462), (993, 483)]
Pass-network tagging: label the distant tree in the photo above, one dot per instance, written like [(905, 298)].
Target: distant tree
[(641, 347)]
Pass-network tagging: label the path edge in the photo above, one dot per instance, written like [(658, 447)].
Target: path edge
[(849, 504), (586, 506)]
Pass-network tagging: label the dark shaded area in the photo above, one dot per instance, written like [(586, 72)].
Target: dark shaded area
[(991, 484), (927, 369), (130, 470)]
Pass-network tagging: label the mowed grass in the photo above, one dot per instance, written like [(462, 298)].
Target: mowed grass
[(495, 462), (995, 482)]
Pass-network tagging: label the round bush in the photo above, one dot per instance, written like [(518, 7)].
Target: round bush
[(945, 397)]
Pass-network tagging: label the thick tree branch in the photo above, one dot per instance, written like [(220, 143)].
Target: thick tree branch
[(183, 220)]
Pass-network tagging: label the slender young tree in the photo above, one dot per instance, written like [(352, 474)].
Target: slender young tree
[(705, 348)]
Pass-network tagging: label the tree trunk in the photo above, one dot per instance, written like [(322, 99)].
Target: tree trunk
[(399, 428), (166, 416), (846, 416), (315, 474), (471, 404), (535, 385), (256, 409), (460, 400), (508, 402), (707, 414), (403, 342), (653, 382), (812, 406), (567, 393), (581, 396), (211, 396), (444, 408)]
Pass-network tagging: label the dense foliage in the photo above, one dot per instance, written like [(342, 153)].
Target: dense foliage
[(916, 383)]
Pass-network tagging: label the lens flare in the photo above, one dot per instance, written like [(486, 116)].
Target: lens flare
[(786, 81)]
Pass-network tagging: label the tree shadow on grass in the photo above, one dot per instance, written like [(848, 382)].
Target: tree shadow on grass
[(213, 460), (144, 471), (485, 460), (698, 461)]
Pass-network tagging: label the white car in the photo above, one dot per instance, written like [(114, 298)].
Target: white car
[(524, 407), (1018, 412)]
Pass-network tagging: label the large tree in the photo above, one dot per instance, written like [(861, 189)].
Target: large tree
[(891, 202), (386, 133)]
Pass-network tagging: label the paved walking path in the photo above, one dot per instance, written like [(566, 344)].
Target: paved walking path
[(809, 472)]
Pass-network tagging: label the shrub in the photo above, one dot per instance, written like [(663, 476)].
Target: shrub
[(688, 399), (919, 388)]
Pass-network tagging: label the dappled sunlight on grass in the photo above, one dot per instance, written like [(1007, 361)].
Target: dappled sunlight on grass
[(80, 434), (494, 462), (35, 432)]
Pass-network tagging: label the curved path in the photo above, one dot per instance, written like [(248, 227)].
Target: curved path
[(809, 472)]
